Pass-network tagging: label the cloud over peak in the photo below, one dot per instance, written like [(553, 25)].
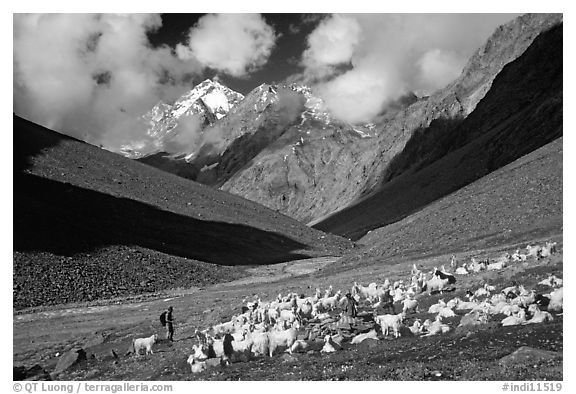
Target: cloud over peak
[(232, 43), (389, 55)]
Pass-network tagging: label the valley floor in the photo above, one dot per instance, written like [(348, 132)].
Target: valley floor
[(41, 335)]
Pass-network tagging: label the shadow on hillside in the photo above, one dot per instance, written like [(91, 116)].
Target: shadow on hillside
[(65, 219), (520, 113)]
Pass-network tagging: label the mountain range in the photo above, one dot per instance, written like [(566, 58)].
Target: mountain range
[(279, 146), (275, 177)]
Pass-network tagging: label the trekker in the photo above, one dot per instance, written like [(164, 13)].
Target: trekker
[(351, 308), (170, 325)]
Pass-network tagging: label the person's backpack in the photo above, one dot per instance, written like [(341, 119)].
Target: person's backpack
[(163, 319)]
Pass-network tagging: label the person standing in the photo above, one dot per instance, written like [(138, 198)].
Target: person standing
[(170, 325)]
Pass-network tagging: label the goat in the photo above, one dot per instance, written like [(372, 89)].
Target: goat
[(462, 270), (390, 321), (360, 337), (282, 339), (385, 301), (195, 365), (548, 249), (410, 304), (144, 343), (329, 303), (538, 316), (436, 327), (436, 284), (446, 312), (533, 251), (416, 327), (517, 256), (514, 320), (551, 281), (435, 308), (473, 318), (556, 300), (329, 345), (442, 274)]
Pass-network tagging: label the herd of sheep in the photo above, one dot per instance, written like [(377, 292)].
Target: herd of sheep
[(299, 323)]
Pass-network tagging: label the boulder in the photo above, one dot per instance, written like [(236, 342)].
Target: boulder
[(35, 372), (70, 359), (368, 344), (526, 354)]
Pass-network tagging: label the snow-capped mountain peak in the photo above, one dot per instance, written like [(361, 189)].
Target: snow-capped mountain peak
[(209, 99), (216, 97)]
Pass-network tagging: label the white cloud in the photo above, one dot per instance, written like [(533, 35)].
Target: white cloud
[(438, 68), (232, 43), (333, 42), (390, 55), (92, 76)]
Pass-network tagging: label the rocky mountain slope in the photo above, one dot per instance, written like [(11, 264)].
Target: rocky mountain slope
[(336, 167), (521, 112), (91, 224)]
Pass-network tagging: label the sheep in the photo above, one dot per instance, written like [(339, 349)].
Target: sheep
[(410, 304), (360, 337), (556, 300), (514, 320), (390, 321), (144, 343)]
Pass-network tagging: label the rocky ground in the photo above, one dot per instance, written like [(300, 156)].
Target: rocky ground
[(482, 353)]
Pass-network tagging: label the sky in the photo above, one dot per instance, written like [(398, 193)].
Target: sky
[(93, 76)]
